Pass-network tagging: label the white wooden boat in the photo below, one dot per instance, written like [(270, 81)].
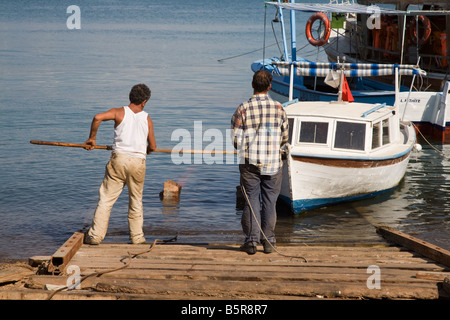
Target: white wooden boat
[(341, 151)]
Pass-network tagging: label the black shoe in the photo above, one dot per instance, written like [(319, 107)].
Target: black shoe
[(268, 246), (249, 248)]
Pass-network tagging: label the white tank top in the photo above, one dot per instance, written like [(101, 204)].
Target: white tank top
[(130, 136)]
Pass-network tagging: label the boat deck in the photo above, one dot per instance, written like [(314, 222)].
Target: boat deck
[(176, 271)]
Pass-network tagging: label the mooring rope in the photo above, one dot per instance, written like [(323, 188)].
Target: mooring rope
[(130, 257), (428, 142), (260, 229)]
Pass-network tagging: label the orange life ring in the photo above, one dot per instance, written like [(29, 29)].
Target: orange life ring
[(324, 19), (413, 30)]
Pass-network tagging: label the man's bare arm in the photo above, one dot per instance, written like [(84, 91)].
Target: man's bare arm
[(112, 114), (151, 136)]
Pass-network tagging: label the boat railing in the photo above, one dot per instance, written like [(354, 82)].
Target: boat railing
[(377, 107), (289, 103)]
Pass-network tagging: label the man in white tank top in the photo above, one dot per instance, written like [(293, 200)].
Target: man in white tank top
[(133, 140)]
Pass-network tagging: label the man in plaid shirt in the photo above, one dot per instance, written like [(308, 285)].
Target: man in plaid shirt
[(260, 128)]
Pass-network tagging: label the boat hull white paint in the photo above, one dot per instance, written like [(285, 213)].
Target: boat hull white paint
[(310, 184)]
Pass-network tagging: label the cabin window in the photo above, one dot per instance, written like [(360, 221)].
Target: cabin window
[(291, 129), (350, 135), (386, 139), (380, 134), (313, 132), (376, 135)]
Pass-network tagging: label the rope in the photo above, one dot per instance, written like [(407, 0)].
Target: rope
[(427, 140), (260, 229), (130, 257)]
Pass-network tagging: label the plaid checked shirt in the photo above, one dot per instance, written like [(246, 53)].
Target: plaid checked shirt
[(260, 128)]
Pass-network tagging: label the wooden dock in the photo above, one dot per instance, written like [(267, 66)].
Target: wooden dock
[(174, 271)]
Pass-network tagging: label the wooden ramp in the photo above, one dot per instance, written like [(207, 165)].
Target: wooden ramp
[(188, 272)]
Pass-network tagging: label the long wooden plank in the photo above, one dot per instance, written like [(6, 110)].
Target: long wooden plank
[(183, 264), (188, 247), (224, 260), (183, 252), (230, 289), (233, 288), (171, 250), (322, 274), (424, 248), (406, 278)]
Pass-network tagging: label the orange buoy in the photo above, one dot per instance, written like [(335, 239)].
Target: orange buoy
[(413, 30), (326, 35)]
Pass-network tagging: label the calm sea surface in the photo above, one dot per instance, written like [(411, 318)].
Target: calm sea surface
[(53, 80)]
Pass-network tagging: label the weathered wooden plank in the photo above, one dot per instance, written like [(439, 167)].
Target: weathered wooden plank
[(192, 265), (13, 272), (231, 289), (407, 278), (336, 260), (31, 294), (192, 248), (164, 251), (111, 263), (183, 251), (424, 248), (347, 275)]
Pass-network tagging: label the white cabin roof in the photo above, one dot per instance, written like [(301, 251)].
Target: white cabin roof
[(335, 110)]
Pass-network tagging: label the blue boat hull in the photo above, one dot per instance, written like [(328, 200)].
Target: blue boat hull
[(302, 205)]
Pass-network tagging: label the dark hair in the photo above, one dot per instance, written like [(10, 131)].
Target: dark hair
[(139, 93), (261, 80)]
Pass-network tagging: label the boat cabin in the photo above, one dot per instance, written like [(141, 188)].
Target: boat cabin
[(335, 129)]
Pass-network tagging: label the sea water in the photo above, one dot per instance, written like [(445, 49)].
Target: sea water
[(59, 67)]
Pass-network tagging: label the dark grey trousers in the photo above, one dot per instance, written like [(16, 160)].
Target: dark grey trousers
[(262, 192)]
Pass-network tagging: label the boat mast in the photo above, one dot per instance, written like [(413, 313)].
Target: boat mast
[(293, 36), (286, 55), (293, 53), (283, 32)]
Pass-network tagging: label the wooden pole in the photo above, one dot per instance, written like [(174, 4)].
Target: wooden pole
[(77, 145), (64, 144)]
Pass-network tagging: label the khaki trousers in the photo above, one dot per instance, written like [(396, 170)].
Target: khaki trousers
[(121, 170)]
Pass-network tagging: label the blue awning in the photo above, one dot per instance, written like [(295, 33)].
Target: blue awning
[(321, 69)]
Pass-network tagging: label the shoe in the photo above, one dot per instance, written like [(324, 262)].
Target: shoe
[(269, 247), (140, 240), (249, 248), (91, 240)]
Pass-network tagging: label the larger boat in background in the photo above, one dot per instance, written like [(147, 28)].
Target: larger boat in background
[(396, 31), (348, 35)]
